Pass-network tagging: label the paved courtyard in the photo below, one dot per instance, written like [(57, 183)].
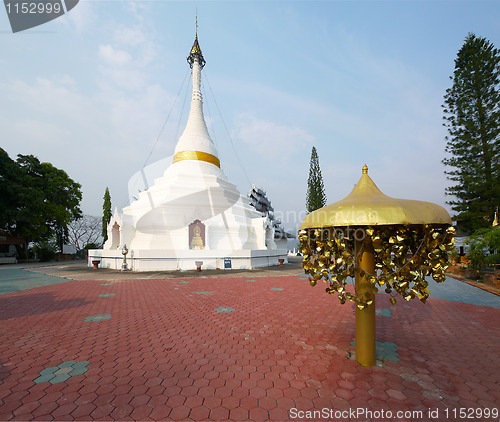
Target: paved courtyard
[(249, 346)]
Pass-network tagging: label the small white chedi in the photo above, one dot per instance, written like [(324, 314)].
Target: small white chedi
[(192, 214)]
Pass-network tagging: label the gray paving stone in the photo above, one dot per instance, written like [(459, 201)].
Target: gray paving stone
[(78, 371), (60, 378), (63, 371)]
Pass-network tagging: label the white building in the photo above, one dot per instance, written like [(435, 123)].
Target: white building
[(193, 213)]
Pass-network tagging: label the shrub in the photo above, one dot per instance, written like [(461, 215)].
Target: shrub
[(45, 250), (484, 247)]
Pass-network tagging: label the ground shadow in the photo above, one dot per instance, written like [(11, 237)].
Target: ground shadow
[(35, 304), (412, 313), (4, 372)]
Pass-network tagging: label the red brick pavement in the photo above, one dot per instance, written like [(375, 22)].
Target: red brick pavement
[(166, 354)]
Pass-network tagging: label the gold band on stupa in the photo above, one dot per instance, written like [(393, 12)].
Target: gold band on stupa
[(196, 155)]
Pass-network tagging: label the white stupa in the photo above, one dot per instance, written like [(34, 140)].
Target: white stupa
[(191, 214)]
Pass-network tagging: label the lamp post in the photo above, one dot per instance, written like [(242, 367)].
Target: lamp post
[(124, 253), (369, 236)]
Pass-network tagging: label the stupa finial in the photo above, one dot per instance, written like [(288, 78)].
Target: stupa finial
[(365, 169), (196, 50)]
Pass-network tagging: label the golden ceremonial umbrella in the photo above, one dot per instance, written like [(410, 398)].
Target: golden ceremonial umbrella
[(382, 242)]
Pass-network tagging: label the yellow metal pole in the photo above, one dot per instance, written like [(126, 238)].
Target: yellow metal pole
[(365, 318)]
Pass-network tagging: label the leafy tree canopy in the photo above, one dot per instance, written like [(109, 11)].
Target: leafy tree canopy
[(484, 247), (472, 117), (10, 183), (37, 200)]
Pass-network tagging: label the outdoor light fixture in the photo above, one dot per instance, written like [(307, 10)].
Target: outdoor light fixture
[(124, 253)]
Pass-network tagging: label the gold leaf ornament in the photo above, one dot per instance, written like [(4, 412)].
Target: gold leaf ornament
[(404, 256)]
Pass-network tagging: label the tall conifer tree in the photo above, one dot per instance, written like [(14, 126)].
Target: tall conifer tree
[(472, 117), (315, 197), (106, 214)]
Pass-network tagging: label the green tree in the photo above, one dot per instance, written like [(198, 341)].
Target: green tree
[(472, 117), (42, 198), (315, 196), (484, 247), (106, 214), (45, 250), (10, 185)]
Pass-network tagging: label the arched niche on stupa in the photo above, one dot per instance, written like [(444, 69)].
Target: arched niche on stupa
[(269, 237), (115, 236), (197, 239)]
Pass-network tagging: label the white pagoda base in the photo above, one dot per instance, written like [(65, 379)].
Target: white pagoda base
[(172, 260)]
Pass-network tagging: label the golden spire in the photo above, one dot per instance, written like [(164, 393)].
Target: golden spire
[(365, 169), (196, 50), (495, 220)]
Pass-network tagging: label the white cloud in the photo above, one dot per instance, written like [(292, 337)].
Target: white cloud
[(137, 8), (129, 36), (124, 63), (110, 132), (114, 57), (49, 134), (48, 98), (137, 41), (268, 138), (136, 120)]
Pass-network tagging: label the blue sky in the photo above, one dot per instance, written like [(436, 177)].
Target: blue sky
[(363, 81)]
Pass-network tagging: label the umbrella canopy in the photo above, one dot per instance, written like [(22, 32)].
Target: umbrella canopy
[(366, 205)]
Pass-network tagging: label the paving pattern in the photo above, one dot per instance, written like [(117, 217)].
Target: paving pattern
[(62, 372), (13, 280), (234, 349)]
